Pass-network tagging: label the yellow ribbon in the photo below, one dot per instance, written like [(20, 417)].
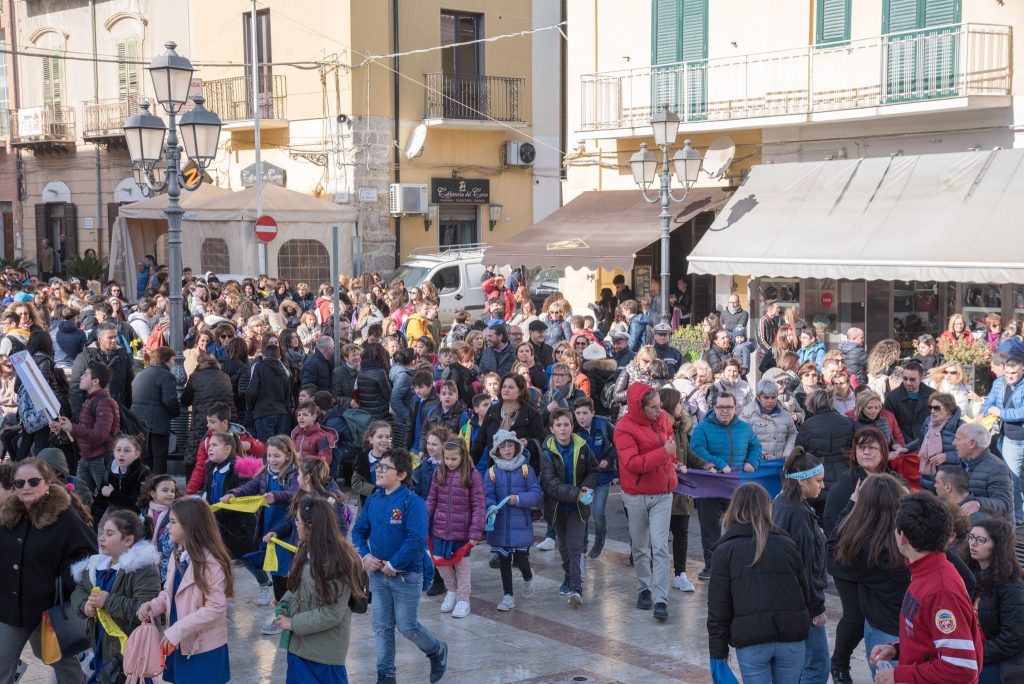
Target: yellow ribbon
[(241, 504), (109, 626), (270, 556), (987, 422)]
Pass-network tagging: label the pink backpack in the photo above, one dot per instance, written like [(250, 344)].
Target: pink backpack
[(142, 657)]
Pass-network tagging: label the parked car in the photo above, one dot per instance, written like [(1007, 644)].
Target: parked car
[(545, 283), (455, 271)]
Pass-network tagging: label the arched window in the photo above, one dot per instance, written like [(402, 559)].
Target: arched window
[(213, 256), (304, 261)]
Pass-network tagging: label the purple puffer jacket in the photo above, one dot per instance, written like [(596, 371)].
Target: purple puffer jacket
[(457, 513)]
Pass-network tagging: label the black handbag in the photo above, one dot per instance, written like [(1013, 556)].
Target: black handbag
[(360, 606), (70, 628)]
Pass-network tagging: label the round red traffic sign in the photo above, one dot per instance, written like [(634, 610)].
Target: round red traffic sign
[(826, 299), (266, 228)]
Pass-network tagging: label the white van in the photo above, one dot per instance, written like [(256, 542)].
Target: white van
[(455, 271)]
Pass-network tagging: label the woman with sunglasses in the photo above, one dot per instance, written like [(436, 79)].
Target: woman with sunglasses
[(41, 536), (999, 599), (935, 445), (951, 379)]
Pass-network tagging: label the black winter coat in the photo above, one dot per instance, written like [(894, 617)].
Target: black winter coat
[(269, 392), (121, 376), (208, 385), (238, 530), (748, 605), (317, 370), (828, 436), (125, 492), (910, 414), (36, 545), (374, 391), (1001, 617), (238, 371), (155, 398), (463, 378), (799, 520), (343, 384), (527, 424)]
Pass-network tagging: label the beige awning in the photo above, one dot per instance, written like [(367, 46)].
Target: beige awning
[(947, 217), (599, 229), (154, 207)]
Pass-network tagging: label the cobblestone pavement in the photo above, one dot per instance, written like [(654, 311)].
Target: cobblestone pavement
[(542, 641)]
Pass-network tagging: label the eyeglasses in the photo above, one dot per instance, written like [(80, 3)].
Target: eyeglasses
[(580, 343), (661, 334), (975, 539), (935, 408), (656, 407), (383, 467), (31, 482), (725, 408), (226, 337), (950, 371)]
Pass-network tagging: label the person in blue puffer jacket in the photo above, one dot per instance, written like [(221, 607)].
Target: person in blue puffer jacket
[(810, 348)]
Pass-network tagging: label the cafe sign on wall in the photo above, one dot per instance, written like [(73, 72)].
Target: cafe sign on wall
[(460, 191)]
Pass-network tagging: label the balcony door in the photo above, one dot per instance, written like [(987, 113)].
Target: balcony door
[(679, 59), (922, 49), (265, 96), (462, 66)]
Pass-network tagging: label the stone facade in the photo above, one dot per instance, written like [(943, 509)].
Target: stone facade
[(368, 152)]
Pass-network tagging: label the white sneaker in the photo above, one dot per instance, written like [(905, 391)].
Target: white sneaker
[(527, 588), (683, 583), (507, 603), (449, 602), (546, 544), (461, 609), (265, 596), (271, 628)]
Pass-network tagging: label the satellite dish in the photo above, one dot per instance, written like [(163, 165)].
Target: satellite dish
[(414, 145), (719, 156)]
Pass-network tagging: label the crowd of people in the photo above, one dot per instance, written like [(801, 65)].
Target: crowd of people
[(378, 475)]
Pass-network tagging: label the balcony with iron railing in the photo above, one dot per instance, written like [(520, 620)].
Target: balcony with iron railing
[(821, 82), (104, 120), (231, 99), (43, 128), (472, 101)]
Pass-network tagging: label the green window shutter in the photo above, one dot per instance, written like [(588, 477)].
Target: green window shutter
[(941, 12), (833, 21), (667, 18), (695, 30), (900, 15), (53, 90), (128, 68)]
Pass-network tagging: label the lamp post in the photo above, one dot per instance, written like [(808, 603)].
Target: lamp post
[(144, 133), (644, 165)]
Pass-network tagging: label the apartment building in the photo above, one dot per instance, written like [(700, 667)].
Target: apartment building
[(803, 82), (10, 203)]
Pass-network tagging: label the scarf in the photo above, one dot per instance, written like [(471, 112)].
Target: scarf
[(931, 445)]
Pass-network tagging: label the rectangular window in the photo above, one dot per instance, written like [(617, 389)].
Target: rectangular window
[(921, 48), (263, 57), (5, 104), (680, 45), (128, 70), (53, 84), (832, 22), (466, 60)]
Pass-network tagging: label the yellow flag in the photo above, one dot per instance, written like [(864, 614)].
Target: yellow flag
[(242, 504), (109, 626), (284, 545), (270, 557)]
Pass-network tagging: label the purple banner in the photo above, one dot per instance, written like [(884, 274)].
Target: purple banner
[(700, 484)]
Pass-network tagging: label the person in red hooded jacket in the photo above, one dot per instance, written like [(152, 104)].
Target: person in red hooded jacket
[(495, 288), (647, 474)]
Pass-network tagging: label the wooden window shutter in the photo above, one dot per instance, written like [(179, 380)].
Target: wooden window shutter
[(833, 21)]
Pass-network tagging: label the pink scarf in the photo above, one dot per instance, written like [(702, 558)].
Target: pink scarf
[(930, 446)]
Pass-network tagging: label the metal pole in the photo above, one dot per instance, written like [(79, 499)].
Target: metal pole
[(172, 156), (664, 218), (336, 300), (357, 250), (262, 246)]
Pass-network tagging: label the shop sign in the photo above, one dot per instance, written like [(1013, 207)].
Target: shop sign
[(30, 122), (827, 300), (274, 175), (460, 191)]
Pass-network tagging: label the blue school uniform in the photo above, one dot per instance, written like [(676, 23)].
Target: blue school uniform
[(211, 667), (104, 582), (302, 671)]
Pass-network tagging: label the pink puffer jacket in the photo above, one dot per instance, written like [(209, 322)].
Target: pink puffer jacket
[(202, 623), (457, 513)]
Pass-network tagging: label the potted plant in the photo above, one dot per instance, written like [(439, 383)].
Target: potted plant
[(689, 341), (974, 356), (86, 268)]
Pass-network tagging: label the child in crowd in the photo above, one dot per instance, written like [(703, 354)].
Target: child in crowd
[(455, 509), (158, 493), (218, 419), (402, 395), (468, 432), (444, 359), (225, 471), (742, 349), (277, 484), (344, 448), (306, 394), (117, 580), (568, 474), (423, 479), (195, 597), (124, 479), (597, 431), (511, 484), (364, 475), (423, 388), (390, 535), (326, 574), (490, 382), (446, 411), (311, 438), (424, 348)]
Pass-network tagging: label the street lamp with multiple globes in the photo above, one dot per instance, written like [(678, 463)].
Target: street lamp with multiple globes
[(644, 165), (144, 133)]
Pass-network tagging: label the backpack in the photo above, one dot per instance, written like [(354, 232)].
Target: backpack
[(525, 467), (142, 656), (358, 422), (156, 338)]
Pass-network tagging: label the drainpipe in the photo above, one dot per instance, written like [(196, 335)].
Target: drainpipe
[(396, 156), (96, 148)]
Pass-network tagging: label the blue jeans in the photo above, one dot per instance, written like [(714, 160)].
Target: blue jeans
[(990, 675), (93, 473), (262, 578), (777, 662), (1013, 454), (597, 514), (396, 601), (817, 661), (875, 637), (268, 426)]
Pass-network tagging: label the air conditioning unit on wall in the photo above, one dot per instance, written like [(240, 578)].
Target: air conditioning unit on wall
[(408, 198), (520, 153)]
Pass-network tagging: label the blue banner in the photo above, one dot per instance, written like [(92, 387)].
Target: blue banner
[(700, 484)]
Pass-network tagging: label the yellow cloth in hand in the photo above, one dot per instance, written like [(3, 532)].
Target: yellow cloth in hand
[(242, 504), (270, 557)]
